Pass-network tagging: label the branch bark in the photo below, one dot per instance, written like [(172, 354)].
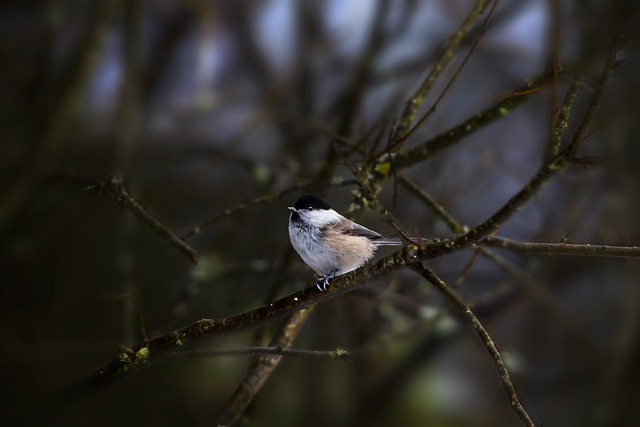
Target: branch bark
[(464, 308), (139, 356), (586, 249), (113, 188)]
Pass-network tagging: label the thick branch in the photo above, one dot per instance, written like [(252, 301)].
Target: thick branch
[(140, 354)]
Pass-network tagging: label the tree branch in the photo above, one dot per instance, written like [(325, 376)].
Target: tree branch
[(442, 61), (455, 75), (539, 294), (261, 371), (469, 126), (336, 181), (113, 188), (337, 354), (607, 71), (548, 170), (139, 355), (464, 308), (586, 249), (561, 121)]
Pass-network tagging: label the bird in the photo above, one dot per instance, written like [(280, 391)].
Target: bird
[(328, 242)]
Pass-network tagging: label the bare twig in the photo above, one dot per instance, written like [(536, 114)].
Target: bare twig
[(467, 269), (586, 249), (556, 166), (561, 121), (464, 308), (375, 203), (469, 126), (455, 75), (437, 209), (338, 354), (547, 171), (585, 126), (538, 293), (113, 188), (410, 109), (262, 200)]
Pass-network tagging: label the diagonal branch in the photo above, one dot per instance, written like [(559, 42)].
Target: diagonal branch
[(455, 75), (585, 126), (336, 181), (562, 119), (442, 61), (548, 170), (129, 362), (261, 370), (464, 308), (538, 293), (138, 357), (499, 109), (113, 188)]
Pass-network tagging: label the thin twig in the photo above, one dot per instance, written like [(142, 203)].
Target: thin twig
[(467, 269), (500, 109), (539, 294), (262, 200), (113, 188), (585, 126), (436, 208), (464, 308), (410, 109), (587, 249), (455, 75), (548, 170), (561, 121), (390, 218), (338, 354)]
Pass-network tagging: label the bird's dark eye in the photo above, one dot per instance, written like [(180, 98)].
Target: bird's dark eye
[(310, 208)]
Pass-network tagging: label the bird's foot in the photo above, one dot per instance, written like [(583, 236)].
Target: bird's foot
[(323, 281)]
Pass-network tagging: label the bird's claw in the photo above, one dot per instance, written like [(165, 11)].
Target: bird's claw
[(323, 282)]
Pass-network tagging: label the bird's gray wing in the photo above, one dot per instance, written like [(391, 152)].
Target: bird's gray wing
[(359, 230)]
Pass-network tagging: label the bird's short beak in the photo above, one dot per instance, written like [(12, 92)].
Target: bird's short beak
[(292, 209)]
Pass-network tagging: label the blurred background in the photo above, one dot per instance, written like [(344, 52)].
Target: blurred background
[(203, 105)]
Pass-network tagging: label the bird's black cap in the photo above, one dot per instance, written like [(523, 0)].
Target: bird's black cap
[(310, 201)]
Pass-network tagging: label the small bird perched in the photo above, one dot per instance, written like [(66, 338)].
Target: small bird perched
[(328, 242)]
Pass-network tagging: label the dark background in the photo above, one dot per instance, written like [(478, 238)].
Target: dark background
[(201, 106)]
